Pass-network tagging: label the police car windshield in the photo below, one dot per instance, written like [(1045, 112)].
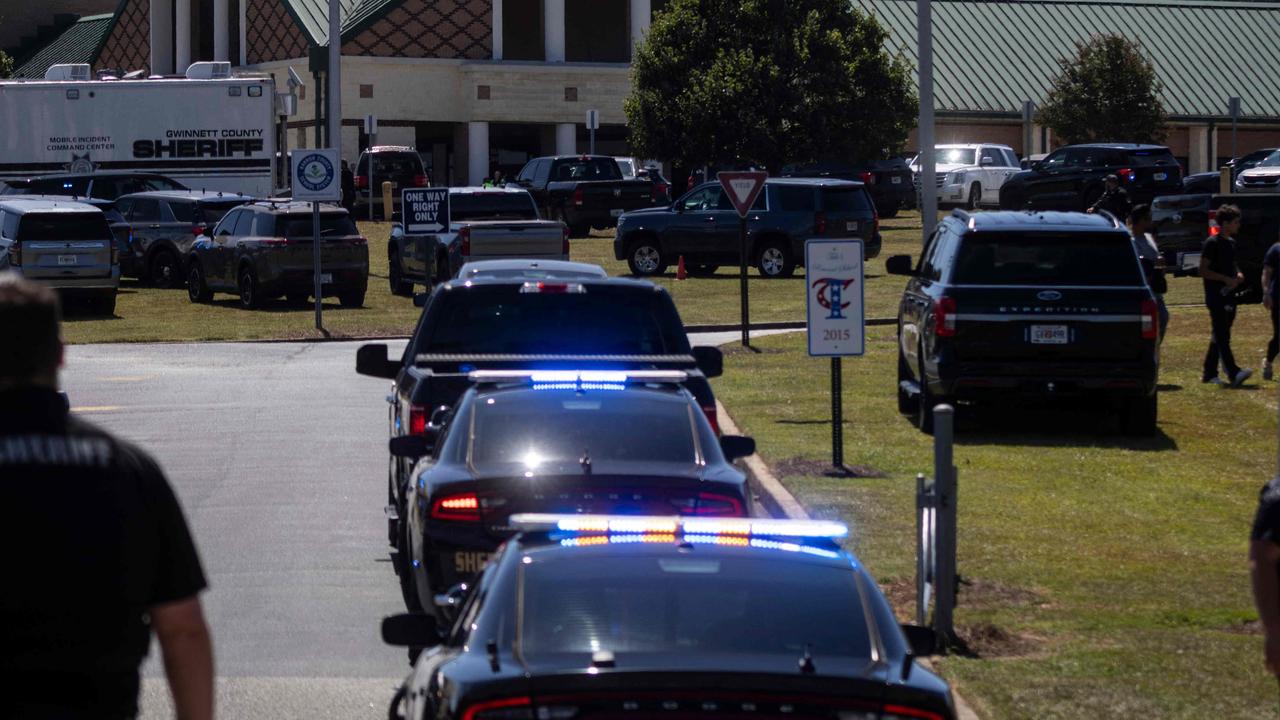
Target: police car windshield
[(691, 604), (1047, 259), (607, 424)]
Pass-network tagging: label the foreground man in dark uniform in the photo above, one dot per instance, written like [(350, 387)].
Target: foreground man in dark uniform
[(94, 548), (1264, 570)]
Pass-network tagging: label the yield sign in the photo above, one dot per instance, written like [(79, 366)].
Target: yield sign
[(742, 188)]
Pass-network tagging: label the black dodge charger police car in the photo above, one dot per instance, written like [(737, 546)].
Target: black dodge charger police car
[(624, 616), (1005, 304), (602, 441)]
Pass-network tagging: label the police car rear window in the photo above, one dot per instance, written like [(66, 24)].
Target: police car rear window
[(1150, 157), (852, 200), (291, 226), (708, 604), (63, 226), (1047, 259), (491, 206), (605, 425)]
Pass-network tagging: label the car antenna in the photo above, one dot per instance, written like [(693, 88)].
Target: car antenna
[(806, 661), (491, 649), (585, 461)]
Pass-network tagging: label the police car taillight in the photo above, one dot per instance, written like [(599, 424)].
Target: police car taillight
[(551, 288), (1150, 320), (417, 420), (514, 708), (464, 507), (710, 412), (944, 316), (578, 197)]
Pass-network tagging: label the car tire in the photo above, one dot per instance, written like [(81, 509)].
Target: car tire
[(645, 258), (975, 196), (197, 289), (773, 260), (247, 287), (907, 404), (165, 270), (395, 277), (1140, 416), (890, 210), (352, 298)]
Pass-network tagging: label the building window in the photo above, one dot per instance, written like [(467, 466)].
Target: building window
[(522, 30), (571, 94), (366, 91), (482, 92), (597, 31)]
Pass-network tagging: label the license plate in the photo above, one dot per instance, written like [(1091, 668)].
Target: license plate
[(1049, 335), (896, 180), (1160, 176), (615, 212), (851, 226), (67, 260), (326, 278), (469, 562)]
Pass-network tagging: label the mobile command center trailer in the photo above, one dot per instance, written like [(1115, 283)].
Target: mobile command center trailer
[(210, 133)]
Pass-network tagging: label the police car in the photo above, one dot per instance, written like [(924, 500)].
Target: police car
[(588, 616), (577, 441)]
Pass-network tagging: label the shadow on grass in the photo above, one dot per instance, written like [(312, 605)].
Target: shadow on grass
[(1057, 425), (284, 306)]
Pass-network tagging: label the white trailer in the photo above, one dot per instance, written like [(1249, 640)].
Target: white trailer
[(208, 130)]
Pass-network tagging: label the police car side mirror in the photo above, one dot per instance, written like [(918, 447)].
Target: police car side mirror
[(371, 360), (710, 361), (412, 447), (737, 446), (921, 641), (899, 265), (410, 630)]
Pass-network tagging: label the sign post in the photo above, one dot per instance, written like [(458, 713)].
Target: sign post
[(593, 124), (1233, 109), (424, 210), (742, 189), (833, 275), (315, 178)]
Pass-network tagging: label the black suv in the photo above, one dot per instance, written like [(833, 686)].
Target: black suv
[(703, 227), (162, 227), (890, 182), (1014, 303), (1182, 222), (105, 185), (1071, 178), (399, 164)]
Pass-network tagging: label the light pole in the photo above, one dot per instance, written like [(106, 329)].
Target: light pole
[(335, 77), (924, 133)]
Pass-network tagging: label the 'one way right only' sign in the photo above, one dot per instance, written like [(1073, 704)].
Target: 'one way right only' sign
[(425, 210)]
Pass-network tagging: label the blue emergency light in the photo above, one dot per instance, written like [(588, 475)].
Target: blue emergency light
[(726, 530)]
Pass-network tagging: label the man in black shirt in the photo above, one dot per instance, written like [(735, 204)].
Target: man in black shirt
[(1221, 278), (95, 550), (1113, 199), (1264, 570)]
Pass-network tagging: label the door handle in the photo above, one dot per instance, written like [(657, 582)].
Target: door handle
[(154, 227)]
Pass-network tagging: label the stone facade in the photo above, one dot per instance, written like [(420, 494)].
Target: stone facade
[(128, 46), (458, 29), (272, 34)]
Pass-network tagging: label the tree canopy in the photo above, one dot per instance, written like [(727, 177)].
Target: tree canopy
[(766, 82), (1107, 92)]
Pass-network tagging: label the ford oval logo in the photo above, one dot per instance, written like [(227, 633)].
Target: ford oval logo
[(1049, 295)]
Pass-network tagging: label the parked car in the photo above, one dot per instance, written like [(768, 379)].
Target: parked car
[(119, 226), (1205, 183), (399, 164), (1071, 178), (633, 167), (1249, 160), (518, 442), (888, 181), (703, 227), (1008, 304), (587, 191), (163, 225), (264, 250), (61, 243), (971, 174), (1262, 177), (102, 185), (1182, 222), (484, 224), (661, 617)]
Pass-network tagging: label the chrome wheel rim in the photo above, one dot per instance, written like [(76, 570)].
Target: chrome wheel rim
[(771, 261), (646, 259)]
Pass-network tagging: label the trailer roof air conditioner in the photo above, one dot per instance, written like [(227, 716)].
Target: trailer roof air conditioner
[(69, 71), (209, 70)]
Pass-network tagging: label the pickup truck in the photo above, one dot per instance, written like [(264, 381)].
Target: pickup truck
[(1182, 222), (505, 323), (587, 191), (484, 224)]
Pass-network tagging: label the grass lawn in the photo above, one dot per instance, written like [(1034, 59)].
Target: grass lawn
[(1104, 577)]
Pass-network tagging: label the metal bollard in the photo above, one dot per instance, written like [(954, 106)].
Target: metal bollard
[(945, 477), (1224, 180), (386, 200)]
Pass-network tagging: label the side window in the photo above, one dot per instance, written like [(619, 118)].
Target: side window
[(1056, 160), (935, 254), (145, 210), (10, 227), (542, 172), (244, 224), (526, 172), (705, 198), (989, 156), (1010, 159), (266, 225), (793, 198), (179, 211), (228, 222), (123, 206)]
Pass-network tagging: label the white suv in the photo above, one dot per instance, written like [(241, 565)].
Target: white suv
[(971, 175)]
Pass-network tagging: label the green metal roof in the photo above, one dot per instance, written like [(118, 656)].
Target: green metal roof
[(314, 15), (990, 56), (79, 43)]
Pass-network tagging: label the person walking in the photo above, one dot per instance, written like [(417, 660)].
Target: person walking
[(1140, 226), (1221, 278), (1270, 291), (95, 549), (348, 186), (1264, 571), (1113, 198)]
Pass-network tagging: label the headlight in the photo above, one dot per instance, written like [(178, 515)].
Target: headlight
[(954, 177)]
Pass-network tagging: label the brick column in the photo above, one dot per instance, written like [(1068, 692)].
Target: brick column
[(553, 30)]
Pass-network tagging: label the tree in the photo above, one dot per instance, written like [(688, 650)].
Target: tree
[(1108, 92), (6, 65), (766, 82)]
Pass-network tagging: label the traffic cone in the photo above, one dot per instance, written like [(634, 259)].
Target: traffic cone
[(681, 273)]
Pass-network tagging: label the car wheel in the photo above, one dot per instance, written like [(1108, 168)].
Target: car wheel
[(247, 284), (408, 583), (890, 210), (645, 258), (1140, 416), (197, 290), (906, 403), (165, 270), (925, 402), (774, 260), (353, 298), (395, 277), (975, 196)]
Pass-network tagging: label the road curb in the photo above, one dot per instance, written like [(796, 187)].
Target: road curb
[(779, 501)]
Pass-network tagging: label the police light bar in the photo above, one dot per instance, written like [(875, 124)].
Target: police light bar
[(678, 525), (577, 377)]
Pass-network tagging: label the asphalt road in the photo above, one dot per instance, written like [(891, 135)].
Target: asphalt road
[(277, 452)]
